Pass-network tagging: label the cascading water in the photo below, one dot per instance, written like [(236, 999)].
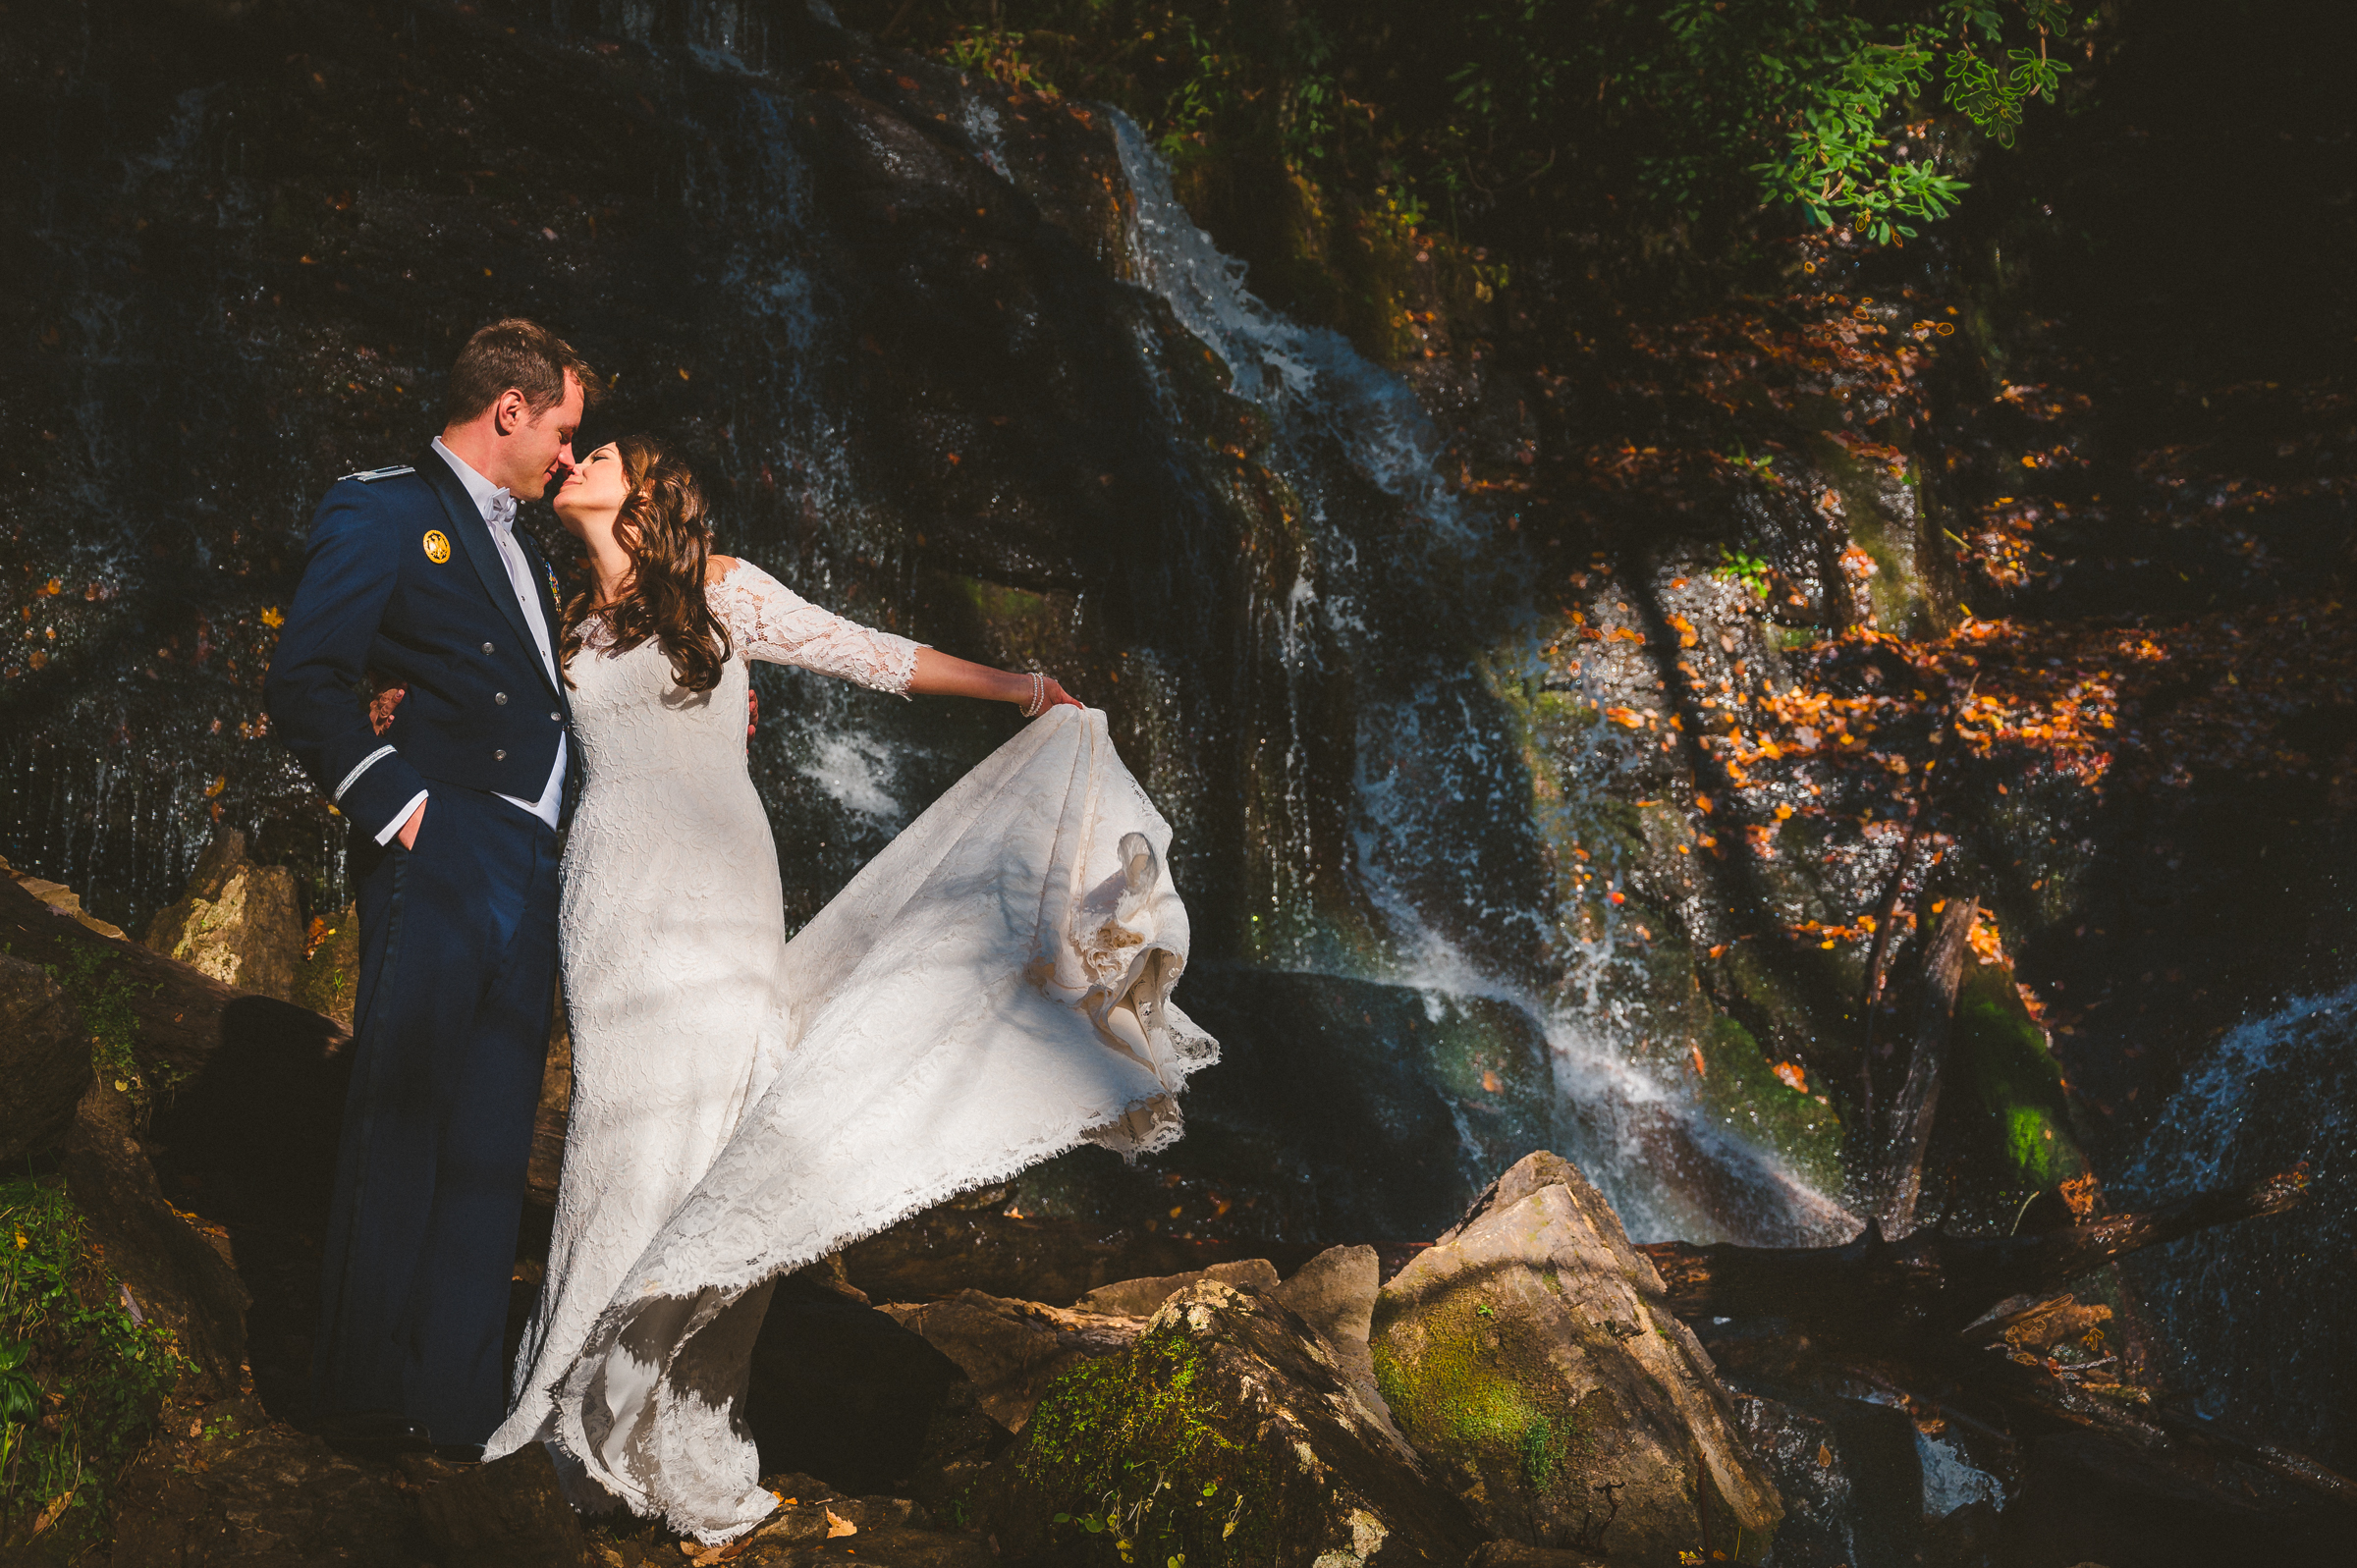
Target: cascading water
[(1392, 552)]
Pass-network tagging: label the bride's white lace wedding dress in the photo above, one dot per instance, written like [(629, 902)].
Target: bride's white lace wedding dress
[(993, 989)]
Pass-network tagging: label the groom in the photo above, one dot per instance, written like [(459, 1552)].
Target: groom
[(418, 576)]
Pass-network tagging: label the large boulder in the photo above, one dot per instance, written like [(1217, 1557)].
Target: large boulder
[(1528, 1352), (1228, 1434), (237, 922), (44, 1059), (1014, 1350)]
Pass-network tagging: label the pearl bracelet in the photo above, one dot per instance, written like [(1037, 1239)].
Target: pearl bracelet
[(1039, 696)]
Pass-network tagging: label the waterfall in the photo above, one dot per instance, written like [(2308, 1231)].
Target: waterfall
[(1352, 441)]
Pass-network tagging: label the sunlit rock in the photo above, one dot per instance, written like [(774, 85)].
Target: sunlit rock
[(1528, 1355), (237, 922)]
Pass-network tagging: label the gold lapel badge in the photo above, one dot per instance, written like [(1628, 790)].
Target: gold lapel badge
[(437, 546)]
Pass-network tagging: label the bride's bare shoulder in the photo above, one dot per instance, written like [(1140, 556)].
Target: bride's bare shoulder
[(717, 569)]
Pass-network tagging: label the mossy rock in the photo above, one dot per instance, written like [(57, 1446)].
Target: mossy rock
[(1528, 1355), (1228, 1434)]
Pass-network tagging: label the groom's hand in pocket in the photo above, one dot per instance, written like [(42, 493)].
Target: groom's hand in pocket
[(409, 830)]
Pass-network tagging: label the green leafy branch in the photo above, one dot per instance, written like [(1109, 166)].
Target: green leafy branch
[(1991, 91)]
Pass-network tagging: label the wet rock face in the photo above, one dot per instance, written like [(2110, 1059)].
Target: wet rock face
[(44, 1059), (1848, 1476), (1226, 1433), (1528, 1356), (237, 922)]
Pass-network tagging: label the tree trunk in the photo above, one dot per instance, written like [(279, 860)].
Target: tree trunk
[(1931, 1284)]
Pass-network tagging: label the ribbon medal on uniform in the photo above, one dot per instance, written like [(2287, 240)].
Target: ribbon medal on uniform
[(437, 546)]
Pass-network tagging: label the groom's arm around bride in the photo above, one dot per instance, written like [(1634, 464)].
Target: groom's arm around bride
[(416, 576)]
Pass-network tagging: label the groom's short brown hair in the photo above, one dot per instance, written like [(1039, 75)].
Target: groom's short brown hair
[(518, 353)]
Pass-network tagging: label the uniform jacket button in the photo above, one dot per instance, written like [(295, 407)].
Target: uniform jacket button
[(556, 717), (500, 697), (499, 756), (486, 647)]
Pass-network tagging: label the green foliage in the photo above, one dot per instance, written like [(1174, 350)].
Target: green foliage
[(107, 1000), (1692, 107), (1128, 1446), (1000, 55), (1989, 94), (1819, 101), (1751, 571), (81, 1379)]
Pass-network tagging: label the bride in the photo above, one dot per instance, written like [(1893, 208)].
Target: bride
[(991, 990)]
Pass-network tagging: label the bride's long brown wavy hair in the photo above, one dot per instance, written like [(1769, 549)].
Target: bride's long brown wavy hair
[(662, 528)]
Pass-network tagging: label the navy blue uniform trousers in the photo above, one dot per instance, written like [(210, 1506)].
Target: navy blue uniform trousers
[(457, 960)]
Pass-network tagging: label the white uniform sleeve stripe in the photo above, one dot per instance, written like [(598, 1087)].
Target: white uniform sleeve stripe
[(366, 763)]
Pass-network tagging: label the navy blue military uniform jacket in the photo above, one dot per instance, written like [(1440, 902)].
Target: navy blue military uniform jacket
[(404, 582)]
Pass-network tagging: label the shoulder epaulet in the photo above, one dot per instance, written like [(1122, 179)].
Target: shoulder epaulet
[(372, 476)]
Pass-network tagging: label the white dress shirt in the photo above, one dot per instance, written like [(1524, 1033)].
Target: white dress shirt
[(498, 509)]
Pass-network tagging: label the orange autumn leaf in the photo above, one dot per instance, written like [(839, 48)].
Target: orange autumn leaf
[(1788, 1073)]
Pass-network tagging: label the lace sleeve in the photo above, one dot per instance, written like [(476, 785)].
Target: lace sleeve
[(770, 620)]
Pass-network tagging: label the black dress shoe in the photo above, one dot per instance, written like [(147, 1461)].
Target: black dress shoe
[(374, 1434)]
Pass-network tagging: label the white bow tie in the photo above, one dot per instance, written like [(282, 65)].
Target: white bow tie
[(503, 508)]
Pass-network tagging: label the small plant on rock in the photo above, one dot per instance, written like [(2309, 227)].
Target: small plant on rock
[(82, 1375)]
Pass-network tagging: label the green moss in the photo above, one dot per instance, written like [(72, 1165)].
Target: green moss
[(1128, 1455), (2016, 1082), (1459, 1393), (81, 1379)]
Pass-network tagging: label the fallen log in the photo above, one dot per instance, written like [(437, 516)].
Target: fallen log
[(182, 1016), (1931, 1284), (1919, 1097)]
